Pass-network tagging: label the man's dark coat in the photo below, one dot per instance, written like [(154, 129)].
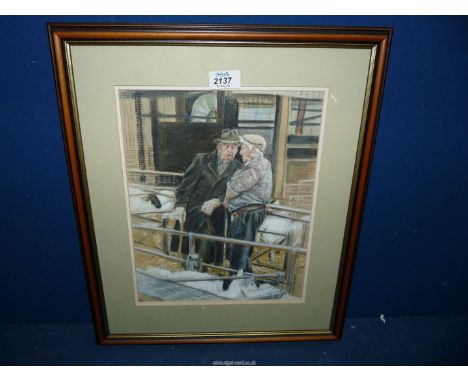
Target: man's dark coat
[(201, 183)]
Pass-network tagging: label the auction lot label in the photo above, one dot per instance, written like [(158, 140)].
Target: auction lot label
[(224, 79)]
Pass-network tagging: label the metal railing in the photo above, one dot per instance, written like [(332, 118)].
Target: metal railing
[(227, 240), (154, 172), (285, 276), (288, 209)]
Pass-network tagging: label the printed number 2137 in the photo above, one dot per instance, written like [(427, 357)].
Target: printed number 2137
[(222, 81)]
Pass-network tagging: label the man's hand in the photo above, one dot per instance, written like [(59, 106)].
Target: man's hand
[(209, 206), (180, 214)]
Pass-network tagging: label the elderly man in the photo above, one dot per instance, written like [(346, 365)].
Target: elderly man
[(200, 195), (246, 195)]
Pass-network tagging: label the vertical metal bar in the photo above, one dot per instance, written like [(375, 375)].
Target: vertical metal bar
[(220, 97), (165, 236), (290, 267), (190, 242), (155, 134), (276, 133), (181, 237), (300, 117), (226, 222), (140, 137)]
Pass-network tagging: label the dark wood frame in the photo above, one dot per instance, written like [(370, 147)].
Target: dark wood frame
[(63, 35)]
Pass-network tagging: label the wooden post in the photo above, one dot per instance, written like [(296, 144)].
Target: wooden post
[(281, 153)]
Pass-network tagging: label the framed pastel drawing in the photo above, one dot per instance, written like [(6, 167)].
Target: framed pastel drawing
[(219, 174)]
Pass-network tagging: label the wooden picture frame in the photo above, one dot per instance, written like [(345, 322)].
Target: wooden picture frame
[(120, 83)]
